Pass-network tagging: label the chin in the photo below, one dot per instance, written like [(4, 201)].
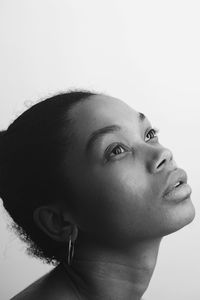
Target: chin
[(183, 214)]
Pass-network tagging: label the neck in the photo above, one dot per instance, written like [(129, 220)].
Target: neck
[(103, 275)]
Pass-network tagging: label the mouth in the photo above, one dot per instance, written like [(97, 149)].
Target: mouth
[(177, 187)]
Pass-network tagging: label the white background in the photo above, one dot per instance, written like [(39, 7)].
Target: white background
[(146, 53)]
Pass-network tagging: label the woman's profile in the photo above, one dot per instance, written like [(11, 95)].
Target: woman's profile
[(91, 190)]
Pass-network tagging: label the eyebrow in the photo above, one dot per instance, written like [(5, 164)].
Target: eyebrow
[(105, 130)]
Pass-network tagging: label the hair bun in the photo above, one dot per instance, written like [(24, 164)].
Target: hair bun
[(2, 132)]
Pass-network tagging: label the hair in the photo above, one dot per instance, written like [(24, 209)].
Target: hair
[(32, 152)]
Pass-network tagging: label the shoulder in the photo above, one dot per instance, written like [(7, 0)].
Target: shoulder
[(31, 292), (47, 287), (36, 290)]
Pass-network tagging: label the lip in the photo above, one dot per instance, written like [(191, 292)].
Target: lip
[(180, 192)]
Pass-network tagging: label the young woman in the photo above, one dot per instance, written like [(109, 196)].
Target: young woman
[(92, 190)]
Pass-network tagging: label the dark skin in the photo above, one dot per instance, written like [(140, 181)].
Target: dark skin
[(118, 214)]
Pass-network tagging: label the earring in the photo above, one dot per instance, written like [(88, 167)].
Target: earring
[(70, 251)]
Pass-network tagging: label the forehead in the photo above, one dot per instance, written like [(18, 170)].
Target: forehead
[(100, 110), (94, 114)]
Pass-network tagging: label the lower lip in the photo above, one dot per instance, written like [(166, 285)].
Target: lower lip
[(179, 193)]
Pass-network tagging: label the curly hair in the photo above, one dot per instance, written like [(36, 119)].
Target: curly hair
[(32, 151)]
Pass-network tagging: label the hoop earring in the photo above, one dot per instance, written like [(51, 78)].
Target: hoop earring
[(70, 251)]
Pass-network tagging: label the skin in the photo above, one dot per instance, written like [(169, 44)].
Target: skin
[(117, 216)]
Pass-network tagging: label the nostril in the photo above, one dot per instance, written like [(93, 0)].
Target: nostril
[(161, 163)]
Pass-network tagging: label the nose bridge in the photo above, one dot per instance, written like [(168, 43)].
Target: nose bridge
[(157, 158)]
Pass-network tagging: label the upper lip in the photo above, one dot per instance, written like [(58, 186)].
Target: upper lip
[(179, 175)]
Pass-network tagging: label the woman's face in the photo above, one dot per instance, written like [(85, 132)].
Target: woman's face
[(119, 177)]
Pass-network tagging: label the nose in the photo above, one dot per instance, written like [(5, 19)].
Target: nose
[(163, 159)]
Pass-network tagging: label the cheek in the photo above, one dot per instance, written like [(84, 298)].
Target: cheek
[(117, 202)]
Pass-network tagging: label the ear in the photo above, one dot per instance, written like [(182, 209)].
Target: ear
[(58, 226)]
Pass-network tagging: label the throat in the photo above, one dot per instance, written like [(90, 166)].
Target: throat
[(114, 277)]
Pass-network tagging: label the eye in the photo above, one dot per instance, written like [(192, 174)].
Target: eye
[(115, 151), (152, 133)]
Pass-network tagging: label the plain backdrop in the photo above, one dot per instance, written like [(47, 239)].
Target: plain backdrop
[(146, 53)]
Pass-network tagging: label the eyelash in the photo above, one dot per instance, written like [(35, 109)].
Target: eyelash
[(153, 131)]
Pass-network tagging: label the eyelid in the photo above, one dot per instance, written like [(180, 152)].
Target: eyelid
[(156, 130), (112, 146)]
